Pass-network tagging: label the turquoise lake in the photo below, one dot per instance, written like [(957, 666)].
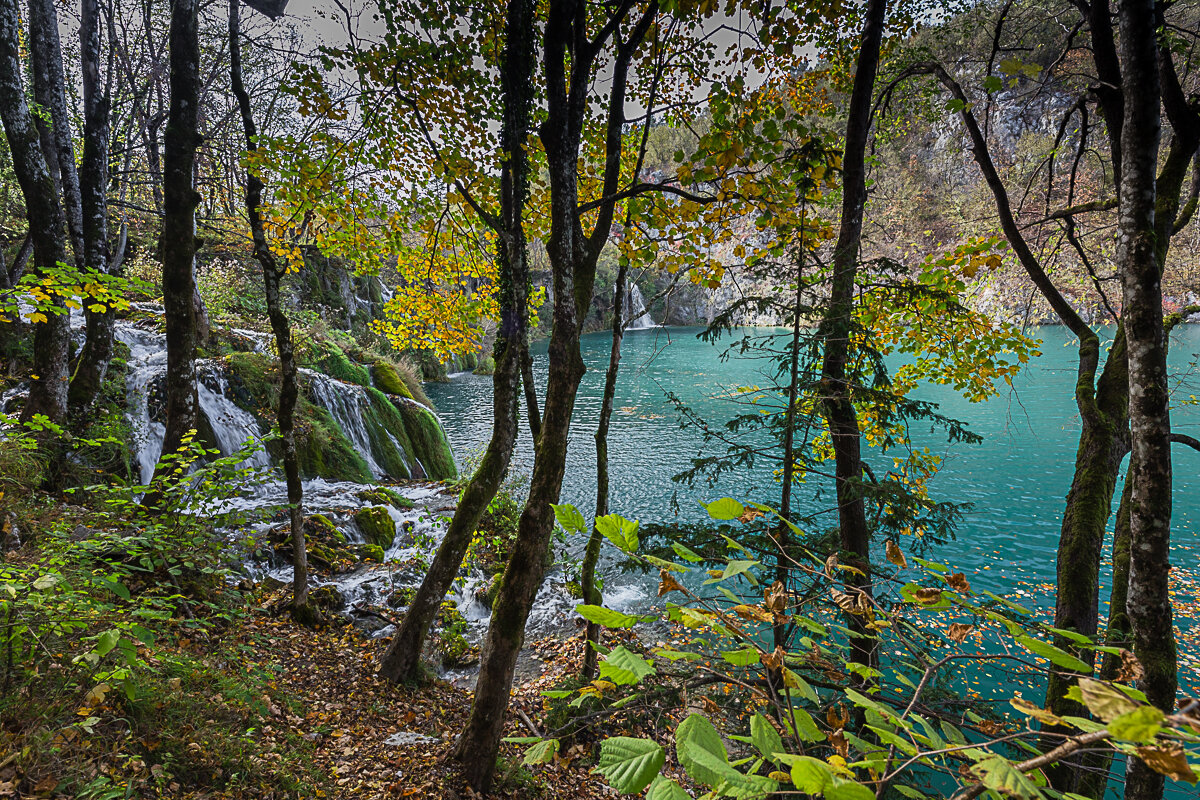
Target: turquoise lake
[(1016, 479)]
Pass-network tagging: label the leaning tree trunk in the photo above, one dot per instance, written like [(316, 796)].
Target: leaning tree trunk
[(1149, 601), (49, 88), (402, 661), (47, 223), (179, 226), (288, 391), (838, 324), (93, 185)]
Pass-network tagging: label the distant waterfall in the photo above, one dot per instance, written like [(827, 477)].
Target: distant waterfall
[(635, 309)]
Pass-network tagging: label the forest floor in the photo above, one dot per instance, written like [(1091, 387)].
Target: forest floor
[(268, 709), (374, 739)]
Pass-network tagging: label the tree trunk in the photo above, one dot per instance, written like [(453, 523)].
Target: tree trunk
[(288, 391), (47, 223), (93, 185), (49, 88), (591, 554), (840, 413), (179, 224), (1149, 601), (402, 661), (783, 533)]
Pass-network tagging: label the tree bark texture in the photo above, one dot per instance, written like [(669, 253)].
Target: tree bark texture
[(840, 413), (179, 222), (280, 326), (47, 222), (1149, 602), (402, 661), (49, 89), (97, 350)]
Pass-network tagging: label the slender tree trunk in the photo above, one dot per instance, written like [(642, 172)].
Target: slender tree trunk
[(783, 534), (531, 398), (49, 88), (838, 324), (591, 555), (402, 661), (288, 391), (93, 186), (47, 222), (1149, 602), (179, 223)]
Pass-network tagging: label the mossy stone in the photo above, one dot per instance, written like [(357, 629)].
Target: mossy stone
[(429, 440), (333, 361), (323, 450), (327, 598), (383, 496), (372, 552), (487, 366), (377, 525), (387, 380), (390, 443)]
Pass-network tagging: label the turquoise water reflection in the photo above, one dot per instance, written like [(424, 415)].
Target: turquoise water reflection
[(1016, 478)]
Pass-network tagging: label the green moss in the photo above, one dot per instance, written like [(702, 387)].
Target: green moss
[(487, 366), (469, 360), (383, 496), (386, 379), (256, 376), (377, 525), (429, 441), (327, 598), (323, 450), (329, 358), (452, 647), (372, 552), (390, 443)]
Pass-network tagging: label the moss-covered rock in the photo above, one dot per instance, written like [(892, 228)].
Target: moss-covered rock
[(328, 357), (372, 552), (384, 496), (391, 445), (323, 450), (387, 380), (327, 598), (429, 440), (376, 525)]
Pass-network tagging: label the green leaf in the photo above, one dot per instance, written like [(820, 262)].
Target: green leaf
[(686, 553), (569, 518), (609, 618), (765, 738), (662, 563), (116, 587), (1103, 700), (541, 753), (45, 582), (677, 655), (992, 83), (107, 641), (625, 667), (1009, 603), (737, 567), (630, 764), (809, 775), (743, 657), (700, 750), (1057, 656), (618, 530), (664, 788), (557, 694), (806, 727), (724, 509), (909, 792), (998, 773), (843, 789), (1140, 725)]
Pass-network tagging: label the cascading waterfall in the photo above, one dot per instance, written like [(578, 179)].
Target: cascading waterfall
[(635, 310), (346, 403)]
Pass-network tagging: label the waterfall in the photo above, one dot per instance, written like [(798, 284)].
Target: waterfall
[(345, 403), (635, 310), (232, 426)]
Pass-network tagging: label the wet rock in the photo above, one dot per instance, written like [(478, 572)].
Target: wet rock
[(377, 526)]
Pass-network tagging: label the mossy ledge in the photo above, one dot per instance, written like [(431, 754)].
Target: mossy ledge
[(406, 438)]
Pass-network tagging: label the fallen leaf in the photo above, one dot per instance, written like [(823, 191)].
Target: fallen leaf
[(958, 582), (895, 555), (959, 631)]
